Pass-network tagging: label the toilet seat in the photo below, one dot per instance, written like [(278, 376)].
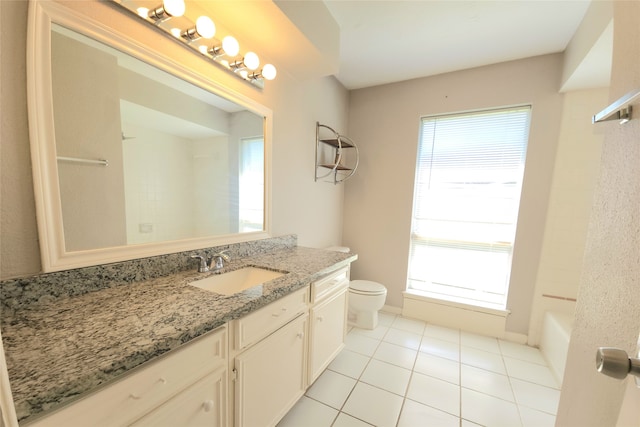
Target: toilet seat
[(366, 287)]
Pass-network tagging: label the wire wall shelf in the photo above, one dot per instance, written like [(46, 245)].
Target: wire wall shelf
[(333, 165)]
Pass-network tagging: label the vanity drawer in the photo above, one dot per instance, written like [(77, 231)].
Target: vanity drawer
[(257, 325), (328, 284), (145, 387), (202, 404)]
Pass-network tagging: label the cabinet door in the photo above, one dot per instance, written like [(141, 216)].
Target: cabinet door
[(202, 404), (328, 329), (270, 376)]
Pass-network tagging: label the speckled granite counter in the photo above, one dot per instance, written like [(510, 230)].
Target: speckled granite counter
[(61, 348)]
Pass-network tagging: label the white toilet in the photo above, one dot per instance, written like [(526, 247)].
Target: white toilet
[(366, 298)]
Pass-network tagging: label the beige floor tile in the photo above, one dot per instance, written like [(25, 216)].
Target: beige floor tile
[(387, 377), (373, 405), (487, 410), (416, 414), (396, 355)]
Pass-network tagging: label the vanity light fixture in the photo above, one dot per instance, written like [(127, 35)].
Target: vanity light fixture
[(168, 9), (224, 52), (250, 61), (205, 28), (229, 47), (268, 72)]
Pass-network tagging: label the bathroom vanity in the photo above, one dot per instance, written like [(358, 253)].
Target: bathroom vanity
[(132, 354)]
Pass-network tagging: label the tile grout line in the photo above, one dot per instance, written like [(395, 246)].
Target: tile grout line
[(340, 411), (460, 377), (413, 367), (515, 399), (381, 339)]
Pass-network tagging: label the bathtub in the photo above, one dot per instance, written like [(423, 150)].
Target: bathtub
[(554, 341)]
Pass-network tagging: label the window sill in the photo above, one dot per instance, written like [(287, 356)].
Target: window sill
[(457, 303)]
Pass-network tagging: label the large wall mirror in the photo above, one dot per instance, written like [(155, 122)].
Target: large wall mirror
[(134, 155)]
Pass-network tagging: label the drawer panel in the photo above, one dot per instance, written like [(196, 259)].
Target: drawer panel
[(257, 325), (145, 387), (328, 284), (202, 404)]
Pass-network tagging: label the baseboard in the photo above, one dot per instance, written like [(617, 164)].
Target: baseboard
[(516, 338), (391, 309)]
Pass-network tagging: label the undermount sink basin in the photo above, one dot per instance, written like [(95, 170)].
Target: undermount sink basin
[(236, 281)]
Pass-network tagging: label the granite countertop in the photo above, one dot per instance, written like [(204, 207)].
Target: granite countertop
[(59, 350)]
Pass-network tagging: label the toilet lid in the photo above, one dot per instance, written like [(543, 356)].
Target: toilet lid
[(367, 286)]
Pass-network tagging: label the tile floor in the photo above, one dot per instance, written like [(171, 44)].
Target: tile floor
[(408, 373)]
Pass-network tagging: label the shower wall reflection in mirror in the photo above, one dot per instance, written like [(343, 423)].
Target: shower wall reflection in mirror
[(182, 162)]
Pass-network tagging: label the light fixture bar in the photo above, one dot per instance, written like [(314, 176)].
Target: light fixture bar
[(224, 52), (618, 110)]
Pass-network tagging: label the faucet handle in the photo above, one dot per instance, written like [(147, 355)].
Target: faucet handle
[(216, 261), (202, 267)]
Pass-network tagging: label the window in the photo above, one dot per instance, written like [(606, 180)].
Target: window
[(467, 192), (251, 185)]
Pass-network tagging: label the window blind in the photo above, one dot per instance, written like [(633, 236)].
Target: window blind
[(466, 198)]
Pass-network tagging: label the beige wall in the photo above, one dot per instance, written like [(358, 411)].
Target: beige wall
[(608, 307), (385, 121), (312, 210), (593, 25), (19, 251), (576, 170)]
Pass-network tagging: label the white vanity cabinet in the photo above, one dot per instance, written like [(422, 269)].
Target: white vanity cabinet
[(247, 373), (195, 374), (269, 366), (328, 320)]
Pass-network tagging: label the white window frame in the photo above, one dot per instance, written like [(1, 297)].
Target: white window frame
[(465, 212)]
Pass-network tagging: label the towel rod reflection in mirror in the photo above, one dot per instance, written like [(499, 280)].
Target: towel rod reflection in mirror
[(88, 161)]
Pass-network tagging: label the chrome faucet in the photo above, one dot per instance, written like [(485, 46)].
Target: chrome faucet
[(217, 260), (202, 266)]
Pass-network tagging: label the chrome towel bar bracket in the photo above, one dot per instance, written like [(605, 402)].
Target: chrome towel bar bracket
[(619, 110)]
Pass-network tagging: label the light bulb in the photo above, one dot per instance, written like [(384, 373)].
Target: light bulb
[(168, 9), (142, 12), (269, 72), (230, 46), (174, 7), (251, 61), (176, 32), (203, 49), (205, 27)]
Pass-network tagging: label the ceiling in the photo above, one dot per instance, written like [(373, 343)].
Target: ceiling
[(387, 41)]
